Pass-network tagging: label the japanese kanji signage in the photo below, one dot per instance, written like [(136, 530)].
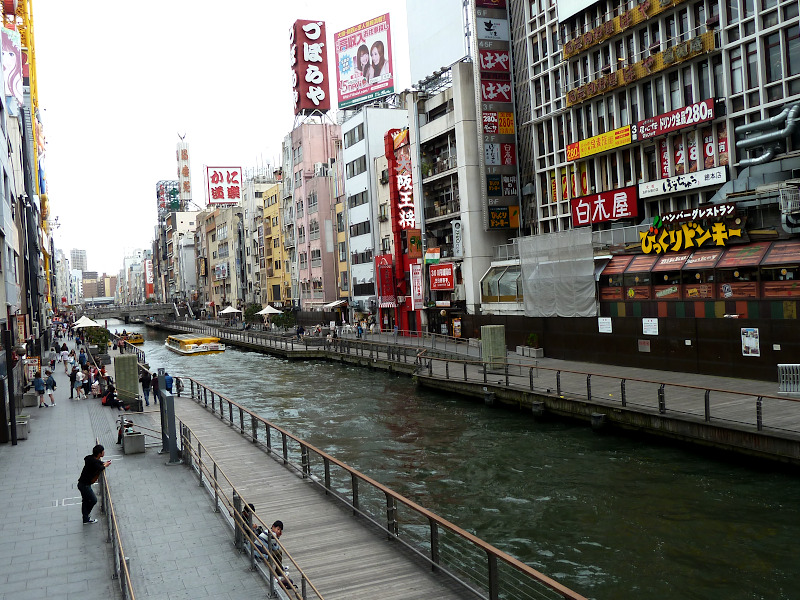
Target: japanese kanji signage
[(400, 168), (416, 286), (494, 101), (184, 174), (688, 235), (224, 185), (309, 62), (364, 69), (693, 114), (599, 143), (442, 276), (387, 297), (607, 206), (683, 183)]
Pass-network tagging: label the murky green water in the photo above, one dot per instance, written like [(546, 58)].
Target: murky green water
[(610, 517)]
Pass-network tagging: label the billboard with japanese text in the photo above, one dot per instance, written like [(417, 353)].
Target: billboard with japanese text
[(607, 206), (364, 68), (309, 63), (442, 276), (223, 185)]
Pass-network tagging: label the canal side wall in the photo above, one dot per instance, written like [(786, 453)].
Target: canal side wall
[(730, 437)]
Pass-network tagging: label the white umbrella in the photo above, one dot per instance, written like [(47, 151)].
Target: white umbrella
[(269, 310), (229, 310), (85, 321)]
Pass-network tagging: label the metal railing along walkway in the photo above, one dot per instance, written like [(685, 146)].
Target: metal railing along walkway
[(476, 565)]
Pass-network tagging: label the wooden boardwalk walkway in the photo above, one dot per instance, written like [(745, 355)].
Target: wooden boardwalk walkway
[(342, 556)]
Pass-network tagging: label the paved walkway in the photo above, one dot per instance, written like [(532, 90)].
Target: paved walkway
[(178, 547)]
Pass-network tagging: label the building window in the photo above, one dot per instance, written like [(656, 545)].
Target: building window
[(342, 251), (354, 136), (360, 229), (737, 84), (300, 209), (340, 222), (772, 55), (793, 50), (705, 82), (316, 258), (312, 202), (357, 199), (344, 283), (313, 230), (752, 65), (356, 167), (674, 91)]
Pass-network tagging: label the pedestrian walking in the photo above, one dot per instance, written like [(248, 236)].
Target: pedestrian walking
[(395, 331), (65, 357), (72, 378), (39, 387), (168, 382), (50, 386), (79, 383), (178, 386), (92, 467), (154, 387), (121, 345), (82, 358), (144, 379)]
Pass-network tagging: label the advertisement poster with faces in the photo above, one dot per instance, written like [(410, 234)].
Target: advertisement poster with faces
[(364, 69)]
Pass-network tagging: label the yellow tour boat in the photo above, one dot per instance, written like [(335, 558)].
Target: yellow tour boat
[(192, 343)]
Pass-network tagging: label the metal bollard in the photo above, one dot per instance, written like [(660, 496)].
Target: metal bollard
[(662, 403), (589, 387), (622, 391), (708, 405), (759, 413)]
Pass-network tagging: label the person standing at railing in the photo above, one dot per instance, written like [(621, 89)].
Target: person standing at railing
[(154, 387), (168, 382), (92, 468), (144, 379), (395, 331)]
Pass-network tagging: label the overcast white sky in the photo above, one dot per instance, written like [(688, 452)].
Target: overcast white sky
[(117, 85)]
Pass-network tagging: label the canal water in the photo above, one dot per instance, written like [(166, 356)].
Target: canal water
[(610, 517)]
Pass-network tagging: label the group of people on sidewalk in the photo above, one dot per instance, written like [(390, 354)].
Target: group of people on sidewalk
[(150, 383)]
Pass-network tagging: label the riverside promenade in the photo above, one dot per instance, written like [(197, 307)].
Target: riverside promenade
[(735, 415), (178, 547)]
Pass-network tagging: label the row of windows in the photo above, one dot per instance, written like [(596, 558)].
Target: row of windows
[(354, 136), (356, 167), (357, 199), (360, 228), (361, 258)]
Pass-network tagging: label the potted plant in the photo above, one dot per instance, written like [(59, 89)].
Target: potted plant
[(531, 348)]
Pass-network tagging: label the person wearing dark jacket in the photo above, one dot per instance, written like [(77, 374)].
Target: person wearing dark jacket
[(72, 375), (154, 387), (144, 379), (93, 466)]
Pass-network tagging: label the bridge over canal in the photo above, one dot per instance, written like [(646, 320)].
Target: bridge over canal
[(128, 312)]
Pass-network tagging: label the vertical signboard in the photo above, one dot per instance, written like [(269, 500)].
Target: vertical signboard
[(495, 102), (401, 185), (416, 286), (223, 185), (184, 175), (387, 297), (12, 64), (364, 69), (148, 278), (309, 63)]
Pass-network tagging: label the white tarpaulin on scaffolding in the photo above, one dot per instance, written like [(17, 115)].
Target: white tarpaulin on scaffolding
[(558, 274)]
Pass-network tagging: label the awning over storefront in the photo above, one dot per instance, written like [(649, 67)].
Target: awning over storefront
[(618, 264), (703, 259), (334, 304), (748, 255), (642, 263), (671, 262), (782, 254)]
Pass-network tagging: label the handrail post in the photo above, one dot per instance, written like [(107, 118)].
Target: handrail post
[(237, 520), (558, 383), (494, 577), (354, 486), (759, 413), (326, 461), (662, 402), (305, 461), (465, 370), (707, 403), (589, 387), (447, 369), (230, 412), (622, 391), (391, 516), (254, 427), (430, 367), (435, 558), (506, 370), (216, 489), (241, 420), (484, 372), (285, 449), (530, 377)]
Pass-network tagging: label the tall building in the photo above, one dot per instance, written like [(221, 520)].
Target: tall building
[(77, 259)]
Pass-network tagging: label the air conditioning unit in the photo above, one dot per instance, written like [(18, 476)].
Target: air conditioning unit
[(385, 176)]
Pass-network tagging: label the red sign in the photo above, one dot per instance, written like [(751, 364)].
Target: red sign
[(386, 291), (309, 63), (224, 185), (403, 183), (699, 112), (664, 154), (495, 60), (496, 90), (608, 206), (442, 276)]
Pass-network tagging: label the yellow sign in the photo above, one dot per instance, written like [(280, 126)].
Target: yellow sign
[(644, 68), (505, 123), (688, 235), (599, 143), (639, 13)]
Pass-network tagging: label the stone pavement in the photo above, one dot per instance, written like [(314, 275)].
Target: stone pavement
[(178, 547)]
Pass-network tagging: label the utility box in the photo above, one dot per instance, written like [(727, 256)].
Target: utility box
[(133, 443), (126, 368), (493, 346)]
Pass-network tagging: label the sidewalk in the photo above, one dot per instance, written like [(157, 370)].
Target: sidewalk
[(178, 547)]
